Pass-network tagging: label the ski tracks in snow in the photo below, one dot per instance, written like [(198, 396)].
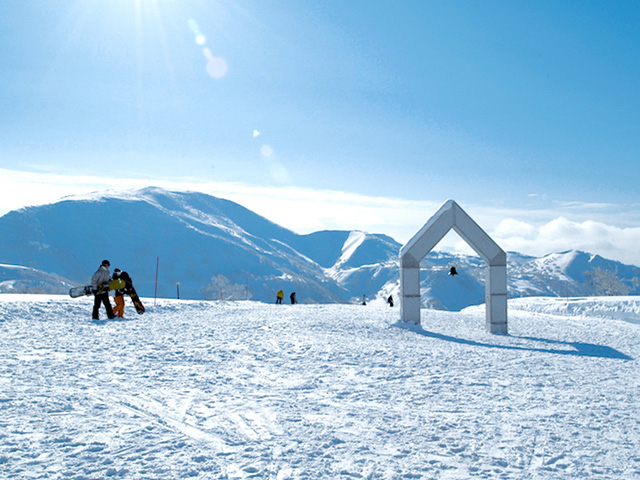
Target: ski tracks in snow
[(247, 390)]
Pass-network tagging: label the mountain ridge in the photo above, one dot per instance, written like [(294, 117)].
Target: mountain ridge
[(210, 247)]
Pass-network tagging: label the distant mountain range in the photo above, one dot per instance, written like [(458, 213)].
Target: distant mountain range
[(208, 248)]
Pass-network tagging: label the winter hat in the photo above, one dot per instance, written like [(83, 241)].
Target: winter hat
[(106, 263), (117, 270)]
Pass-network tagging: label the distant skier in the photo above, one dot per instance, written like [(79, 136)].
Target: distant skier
[(293, 298), (452, 271), (101, 276), (118, 310), (279, 297), (390, 300)]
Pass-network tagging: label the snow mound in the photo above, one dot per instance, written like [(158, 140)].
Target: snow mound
[(613, 308)]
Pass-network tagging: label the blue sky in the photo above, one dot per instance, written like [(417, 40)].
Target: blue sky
[(525, 113)]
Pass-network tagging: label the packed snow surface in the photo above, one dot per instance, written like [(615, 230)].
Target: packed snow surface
[(214, 390)]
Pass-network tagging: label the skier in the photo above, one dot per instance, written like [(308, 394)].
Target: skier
[(119, 298), (101, 276), (452, 271), (279, 297), (293, 298), (390, 300)]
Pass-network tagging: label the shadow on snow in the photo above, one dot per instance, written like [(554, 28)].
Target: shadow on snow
[(579, 349), (103, 321)]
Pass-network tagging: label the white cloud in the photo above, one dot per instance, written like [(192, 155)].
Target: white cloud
[(562, 234), (510, 227)]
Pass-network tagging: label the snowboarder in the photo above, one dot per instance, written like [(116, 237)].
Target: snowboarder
[(118, 310), (293, 298), (279, 297), (390, 300), (101, 276), (127, 290)]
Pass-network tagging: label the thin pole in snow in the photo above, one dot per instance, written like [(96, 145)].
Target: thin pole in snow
[(155, 296)]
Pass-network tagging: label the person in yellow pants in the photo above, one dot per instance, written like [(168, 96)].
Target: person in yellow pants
[(118, 310)]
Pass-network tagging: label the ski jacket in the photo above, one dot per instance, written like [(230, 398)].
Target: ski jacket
[(102, 275), (280, 294), (128, 284)]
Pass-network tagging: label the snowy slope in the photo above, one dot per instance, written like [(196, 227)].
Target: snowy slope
[(238, 390)]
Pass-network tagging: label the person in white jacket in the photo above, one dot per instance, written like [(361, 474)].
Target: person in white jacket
[(101, 276)]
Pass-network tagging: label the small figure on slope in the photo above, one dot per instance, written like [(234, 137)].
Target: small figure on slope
[(279, 297), (452, 271), (390, 300), (101, 293), (293, 298)]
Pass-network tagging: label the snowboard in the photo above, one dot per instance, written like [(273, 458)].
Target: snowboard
[(136, 300), (88, 289)]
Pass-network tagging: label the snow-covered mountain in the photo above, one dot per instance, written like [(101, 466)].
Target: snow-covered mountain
[(569, 273), (192, 238), (214, 248)]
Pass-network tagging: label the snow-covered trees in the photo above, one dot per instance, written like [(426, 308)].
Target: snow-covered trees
[(607, 282), (221, 288)]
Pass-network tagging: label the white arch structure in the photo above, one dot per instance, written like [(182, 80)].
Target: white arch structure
[(451, 216)]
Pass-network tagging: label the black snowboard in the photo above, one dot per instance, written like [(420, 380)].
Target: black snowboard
[(135, 299)]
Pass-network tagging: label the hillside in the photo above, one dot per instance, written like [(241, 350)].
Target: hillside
[(195, 389), (214, 248), (19, 279), (194, 236)]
